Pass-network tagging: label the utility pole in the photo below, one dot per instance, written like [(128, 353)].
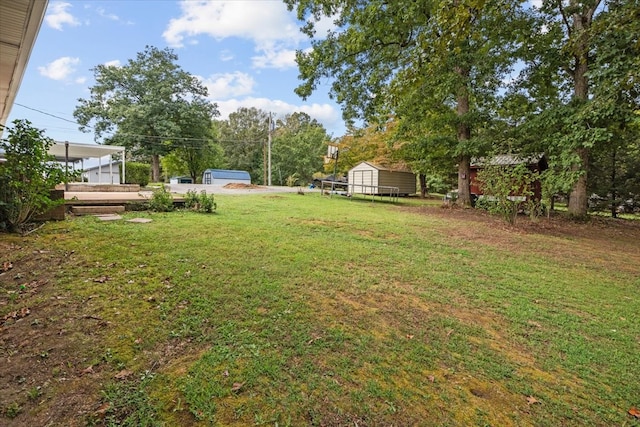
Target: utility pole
[(269, 155)]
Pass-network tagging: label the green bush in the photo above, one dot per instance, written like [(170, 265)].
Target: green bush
[(161, 200), (137, 173), (27, 176), (191, 199), (506, 188), (202, 202), (207, 203)]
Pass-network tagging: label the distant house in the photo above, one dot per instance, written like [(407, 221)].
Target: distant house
[(535, 163), (224, 177), (181, 180), (367, 178), (102, 174)]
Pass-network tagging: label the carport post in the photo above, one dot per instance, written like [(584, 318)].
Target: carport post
[(124, 176), (66, 166)]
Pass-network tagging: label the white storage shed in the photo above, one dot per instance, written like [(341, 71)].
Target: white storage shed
[(367, 178), (224, 177)]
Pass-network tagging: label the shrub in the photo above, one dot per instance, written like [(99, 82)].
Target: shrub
[(191, 199), (202, 202), (292, 180), (506, 187), (161, 200), (27, 176), (137, 173), (207, 202)]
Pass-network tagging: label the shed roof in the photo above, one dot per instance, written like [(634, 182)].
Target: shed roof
[(381, 168), (507, 160), (228, 174)]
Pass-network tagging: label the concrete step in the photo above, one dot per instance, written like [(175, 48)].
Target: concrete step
[(96, 210)]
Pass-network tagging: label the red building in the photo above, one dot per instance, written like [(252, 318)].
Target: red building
[(535, 163)]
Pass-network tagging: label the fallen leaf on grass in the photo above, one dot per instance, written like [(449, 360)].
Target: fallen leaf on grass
[(125, 373), (101, 279), (102, 410), (6, 266), (533, 323), (409, 336), (18, 314), (431, 378), (532, 400), (88, 370), (634, 412), (237, 386)]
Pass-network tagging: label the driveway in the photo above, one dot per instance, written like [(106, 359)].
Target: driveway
[(220, 189)]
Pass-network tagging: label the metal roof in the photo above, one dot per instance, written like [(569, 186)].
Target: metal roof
[(507, 160), (228, 174), (82, 151), (20, 22), (382, 168)]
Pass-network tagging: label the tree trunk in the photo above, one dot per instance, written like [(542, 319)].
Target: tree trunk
[(464, 183), (464, 135), (155, 168), (423, 185), (614, 195), (580, 23), (578, 197)]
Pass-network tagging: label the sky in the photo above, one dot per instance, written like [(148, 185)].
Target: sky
[(242, 50)]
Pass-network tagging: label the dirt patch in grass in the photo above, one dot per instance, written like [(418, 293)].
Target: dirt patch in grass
[(48, 371), (573, 241)]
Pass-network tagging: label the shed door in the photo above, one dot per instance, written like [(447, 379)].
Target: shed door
[(207, 178)]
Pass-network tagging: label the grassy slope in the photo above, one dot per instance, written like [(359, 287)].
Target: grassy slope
[(308, 310)]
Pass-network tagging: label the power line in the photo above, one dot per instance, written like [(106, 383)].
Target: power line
[(45, 113), (147, 137)]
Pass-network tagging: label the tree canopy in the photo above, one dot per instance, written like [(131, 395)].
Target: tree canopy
[(413, 60), (471, 77), (298, 148), (147, 105), (243, 137)]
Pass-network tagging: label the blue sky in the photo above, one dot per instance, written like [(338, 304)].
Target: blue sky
[(243, 51)]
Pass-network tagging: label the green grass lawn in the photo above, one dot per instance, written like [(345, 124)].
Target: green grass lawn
[(305, 310)]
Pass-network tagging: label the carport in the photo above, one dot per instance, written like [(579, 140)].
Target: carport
[(72, 152)]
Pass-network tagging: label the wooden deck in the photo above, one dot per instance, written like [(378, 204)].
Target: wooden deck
[(94, 198)]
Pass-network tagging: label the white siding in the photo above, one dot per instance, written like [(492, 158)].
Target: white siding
[(366, 178)]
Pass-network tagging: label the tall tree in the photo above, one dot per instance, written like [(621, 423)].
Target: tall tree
[(299, 144), (142, 105), (243, 137), (581, 82), (197, 149), (412, 58)]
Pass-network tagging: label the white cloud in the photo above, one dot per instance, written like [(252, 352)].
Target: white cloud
[(275, 58), (57, 16), (269, 24), (228, 85), (105, 14), (111, 16), (81, 80), (326, 24), (226, 55), (114, 63), (60, 69), (324, 113), (263, 21), (536, 3)]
